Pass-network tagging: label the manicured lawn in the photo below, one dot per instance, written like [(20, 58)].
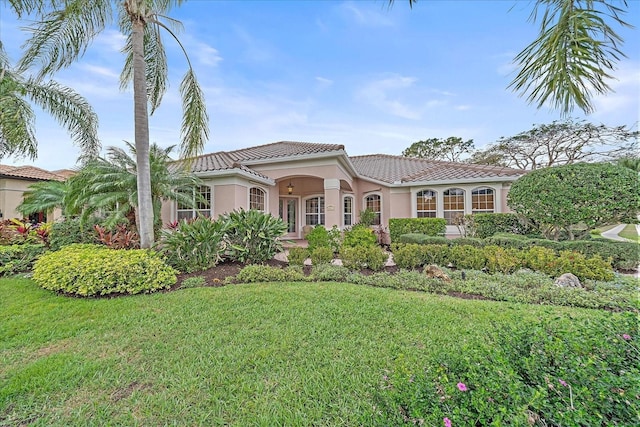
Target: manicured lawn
[(259, 354), (630, 232)]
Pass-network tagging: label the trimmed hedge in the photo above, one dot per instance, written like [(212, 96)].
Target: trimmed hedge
[(88, 270), (428, 226), (482, 226)]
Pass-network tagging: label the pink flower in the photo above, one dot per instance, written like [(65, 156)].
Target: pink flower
[(447, 422), (626, 337), (462, 387), (563, 383)]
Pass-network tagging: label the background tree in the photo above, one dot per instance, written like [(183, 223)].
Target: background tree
[(630, 162), (450, 149), (560, 143), (65, 30), (574, 55), (17, 118), (585, 195)]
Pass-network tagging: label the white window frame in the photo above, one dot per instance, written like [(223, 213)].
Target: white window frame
[(264, 199), (365, 201), (345, 213), (448, 211), (484, 195), (321, 214), (431, 213), (193, 213)]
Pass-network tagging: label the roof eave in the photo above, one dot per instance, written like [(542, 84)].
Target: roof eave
[(234, 172)]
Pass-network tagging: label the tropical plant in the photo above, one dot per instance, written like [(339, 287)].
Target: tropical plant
[(573, 55), (109, 185), (253, 236), (64, 30), (17, 134), (45, 196)]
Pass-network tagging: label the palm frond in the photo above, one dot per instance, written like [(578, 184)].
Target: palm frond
[(71, 110), (63, 35), (195, 121), (17, 119), (573, 56), (43, 197)]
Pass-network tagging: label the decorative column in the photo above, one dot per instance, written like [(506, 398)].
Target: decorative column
[(332, 205)]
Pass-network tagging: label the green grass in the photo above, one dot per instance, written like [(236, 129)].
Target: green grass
[(259, 354), (630, 232)]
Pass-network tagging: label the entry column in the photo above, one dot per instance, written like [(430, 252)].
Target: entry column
[(332, 202)]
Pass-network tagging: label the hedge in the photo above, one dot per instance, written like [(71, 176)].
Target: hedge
[(88, 270), (428, 226), (486, 225)]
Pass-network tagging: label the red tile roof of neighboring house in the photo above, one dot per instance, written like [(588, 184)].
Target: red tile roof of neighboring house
[(29, 172), (398, 169)]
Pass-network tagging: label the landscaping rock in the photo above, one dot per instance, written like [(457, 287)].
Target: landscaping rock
[(434, 272), (568, 280)]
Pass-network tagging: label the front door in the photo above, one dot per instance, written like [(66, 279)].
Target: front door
[(288, 209)]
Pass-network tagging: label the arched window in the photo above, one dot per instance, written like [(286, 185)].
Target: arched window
[(453, 205), (256, 199), (347, 209), (482, 200), (374, 203), (314, 210), (202, 204), (426, 204)]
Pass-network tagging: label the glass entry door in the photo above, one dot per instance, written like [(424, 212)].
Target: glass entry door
[(288, 209)]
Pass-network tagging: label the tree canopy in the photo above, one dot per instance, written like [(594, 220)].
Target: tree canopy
[(450, 149), (560, 143), (583, 194)]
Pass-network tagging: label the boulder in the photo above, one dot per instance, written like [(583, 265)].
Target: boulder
[(434, 272), (568, 280)]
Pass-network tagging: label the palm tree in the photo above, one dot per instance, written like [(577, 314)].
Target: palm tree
[(66, 30), (109, 186), (574, 54), (17, 118)]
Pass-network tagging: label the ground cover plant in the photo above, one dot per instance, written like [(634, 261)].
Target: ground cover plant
[(304, 354)]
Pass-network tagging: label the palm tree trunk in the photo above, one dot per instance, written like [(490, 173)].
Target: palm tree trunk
[(141, 119)]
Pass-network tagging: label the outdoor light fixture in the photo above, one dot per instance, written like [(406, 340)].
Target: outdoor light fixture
[(290, 188)]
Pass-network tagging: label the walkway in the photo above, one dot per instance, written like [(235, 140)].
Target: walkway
[(613, 233)]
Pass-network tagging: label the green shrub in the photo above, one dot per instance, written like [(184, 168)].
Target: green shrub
[(624, 255), (506, 241), (253, 236), (548, 372), (265, 273), (19, 258), (318, 237), (482, 226), (335, 239), (422, 239), (585, 268), (503, 260), (193, 282), (359, 236), (428, 226), (407, 256), (88, 270), (435, 254), (321, 256), (194, 245), (298, 255), (72, 230), (466, 256), (330, 273), (359, 258), (470, 241)]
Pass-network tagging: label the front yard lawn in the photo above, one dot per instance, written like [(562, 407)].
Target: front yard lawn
[(263, 354)]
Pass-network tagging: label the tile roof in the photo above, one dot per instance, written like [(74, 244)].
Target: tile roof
[(398, 169), (29, 172)]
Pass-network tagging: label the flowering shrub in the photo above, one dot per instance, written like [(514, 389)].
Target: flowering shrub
[(550, 372)]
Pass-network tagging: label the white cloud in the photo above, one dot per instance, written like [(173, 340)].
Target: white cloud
[(324, 82), (111, 39), (385, 95), (206, 54), (625, 97)]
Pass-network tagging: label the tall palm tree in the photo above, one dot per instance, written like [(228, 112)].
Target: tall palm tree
[(65, 31), (574, 54), (17, 118)]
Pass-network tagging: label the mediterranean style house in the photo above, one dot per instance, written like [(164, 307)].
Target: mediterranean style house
[(15, 180), (307, 184)]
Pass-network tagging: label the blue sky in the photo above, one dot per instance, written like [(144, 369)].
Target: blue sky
[(358, 73)]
